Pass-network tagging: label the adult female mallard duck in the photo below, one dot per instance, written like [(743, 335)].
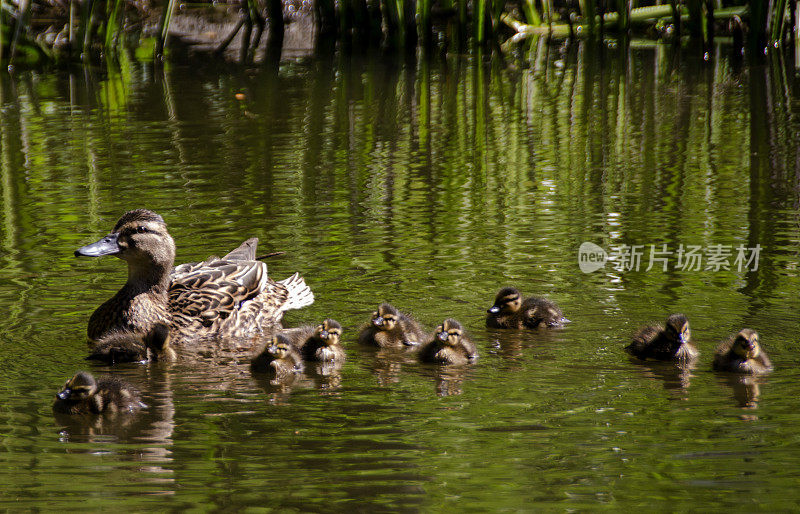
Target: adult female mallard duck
[(511, 311), (279, 358), (118, 347), (229, 297), (742, 353), (670, 343), (390, 328), (82, 394), (450, 345), (320, 343)]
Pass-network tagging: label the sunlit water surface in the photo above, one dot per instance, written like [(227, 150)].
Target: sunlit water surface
[(429, 184)]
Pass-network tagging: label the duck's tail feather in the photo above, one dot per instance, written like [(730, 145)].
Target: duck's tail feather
[(300, 294), (244, 252)]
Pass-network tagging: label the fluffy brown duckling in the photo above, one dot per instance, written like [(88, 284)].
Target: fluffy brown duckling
[(320, 343), (511, 311), (742, 353), (278, 358), (450, 345), (125, 346), (390, 328), (82, 394), (670, 343)]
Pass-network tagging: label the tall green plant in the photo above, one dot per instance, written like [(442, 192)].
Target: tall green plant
[(777, 20), (588, 13), (113, 25), (479, 21), (163, 28)]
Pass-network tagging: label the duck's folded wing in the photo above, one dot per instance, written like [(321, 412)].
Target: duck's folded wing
[(212, 291), (245, 252)]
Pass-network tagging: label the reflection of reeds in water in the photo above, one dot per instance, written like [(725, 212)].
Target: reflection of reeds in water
[(451, 154)]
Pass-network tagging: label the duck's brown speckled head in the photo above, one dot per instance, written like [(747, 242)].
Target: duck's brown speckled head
[(279, 347), (450, 332), (386, 317), (329, 331), (79, 387), (507, 301), (678, 326), (746, 344), (140, 237)]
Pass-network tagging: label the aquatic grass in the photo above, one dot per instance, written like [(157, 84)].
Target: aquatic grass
[(96, 27), (777, 21), (163, 28), (114, 25)]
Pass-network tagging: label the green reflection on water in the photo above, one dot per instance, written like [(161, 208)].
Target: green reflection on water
[(430, 184)]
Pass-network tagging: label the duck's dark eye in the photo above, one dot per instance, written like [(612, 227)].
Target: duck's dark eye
[(140, 229)]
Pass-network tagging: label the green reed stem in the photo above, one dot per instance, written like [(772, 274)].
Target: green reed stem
[(114, 24), (624, 13), (424, 19), (24, 15), (777, 20), (479, 21), (4, 29), (547, 11), (462, 15), (163, 28), (528, 8), (588, 13), (797, 34)]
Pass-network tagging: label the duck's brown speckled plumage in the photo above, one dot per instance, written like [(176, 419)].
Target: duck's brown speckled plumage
[(82, 394), (742, 353), (121, 346), (318, 343), (669, 343), (279, 358), (390, 328), (229, 297), (449, 345), (510, 310)]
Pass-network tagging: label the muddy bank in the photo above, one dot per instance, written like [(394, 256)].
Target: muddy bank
[(197, 33)]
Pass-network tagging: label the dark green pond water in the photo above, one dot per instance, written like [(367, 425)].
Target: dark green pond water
[(429, 184)]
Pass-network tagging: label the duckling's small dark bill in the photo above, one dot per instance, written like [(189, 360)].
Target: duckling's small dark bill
[(106, 246)]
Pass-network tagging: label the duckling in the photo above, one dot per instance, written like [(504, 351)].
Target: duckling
[(742, 353), (320, 343), (390, 328), (664, 344), (511, 311), (227, 297), (124, 346), (450, 345), (82, 394), (278, 358), (119, 346)]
